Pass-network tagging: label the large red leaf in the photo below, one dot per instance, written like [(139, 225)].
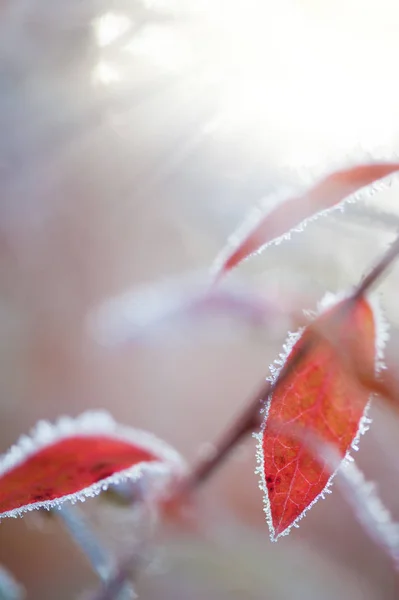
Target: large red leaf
[(319, 396), (76, 458), (297, 210)]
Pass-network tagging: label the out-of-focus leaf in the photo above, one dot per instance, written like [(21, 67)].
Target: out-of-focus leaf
[(144, 310), (78, 458), (317, 395), (295, 211)]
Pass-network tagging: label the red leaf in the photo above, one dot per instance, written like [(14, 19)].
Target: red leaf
[(76, 458), (296, 211), (317, 395)]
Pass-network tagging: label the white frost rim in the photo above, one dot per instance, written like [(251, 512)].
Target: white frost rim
[(381, 338), (91, 424), (285, 194)]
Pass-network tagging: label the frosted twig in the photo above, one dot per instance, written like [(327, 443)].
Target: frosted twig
[(372, 515), (115, 585), (99, 558), (9, 588), (369, 510), (377, 271), (360, 494), (243, 426), (79, 529), (249, 418)]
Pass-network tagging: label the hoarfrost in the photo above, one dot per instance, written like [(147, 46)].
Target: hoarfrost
[(260, 213), (91, 424), (382, 335)]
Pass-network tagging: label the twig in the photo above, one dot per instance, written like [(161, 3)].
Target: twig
[(360, 495), (84, 537), (101, 561), (116, 584), (377, 271), (249, 419), (9, 588)]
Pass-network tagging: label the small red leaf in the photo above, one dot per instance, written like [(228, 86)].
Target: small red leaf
[(319, 396), (296, 211), (77, 458)]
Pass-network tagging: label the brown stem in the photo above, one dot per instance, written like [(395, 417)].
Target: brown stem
[(377, 271), (247, 422), (249, 418), (244, 425)]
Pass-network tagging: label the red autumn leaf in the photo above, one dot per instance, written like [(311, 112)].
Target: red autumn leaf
[(319, 396), (296, 211), (77, 458)]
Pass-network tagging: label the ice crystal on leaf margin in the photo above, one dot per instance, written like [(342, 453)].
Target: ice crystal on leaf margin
[(381, 337), (289, 211), (167, 463)]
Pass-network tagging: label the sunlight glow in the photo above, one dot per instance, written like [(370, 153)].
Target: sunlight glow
[(280, 78), (164, 47), (109, 27), (105, 74)]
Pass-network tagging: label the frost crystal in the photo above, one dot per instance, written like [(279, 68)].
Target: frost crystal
[(285, 194), (381, 337), (169, 463)]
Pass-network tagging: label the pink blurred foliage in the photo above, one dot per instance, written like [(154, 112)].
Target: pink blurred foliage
[(105, 191)]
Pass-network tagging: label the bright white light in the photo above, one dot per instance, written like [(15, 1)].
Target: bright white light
[(105, 73), (162, 46), (109, 27), (288, 80), (291, 84)]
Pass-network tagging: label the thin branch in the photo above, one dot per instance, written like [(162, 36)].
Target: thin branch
[(101, 561), (9, 588), (115, 586), (247, 422), (249, 418), (377, 271), (84, 537), (369, 510), (360, 495)]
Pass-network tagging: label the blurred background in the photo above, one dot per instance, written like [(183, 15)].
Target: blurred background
[(135, 137)]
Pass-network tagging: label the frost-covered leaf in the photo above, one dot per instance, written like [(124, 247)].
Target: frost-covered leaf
[(292, 214), (319, 396), (78, 458)]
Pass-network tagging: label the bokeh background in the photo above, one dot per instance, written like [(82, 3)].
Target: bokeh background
[(135, 137)]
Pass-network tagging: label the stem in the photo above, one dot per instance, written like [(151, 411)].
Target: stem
[(247, 421), (244, 425), (9, 588), (250, 418), (377, 271), (115, 586), (84, 537), (100, 560)]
